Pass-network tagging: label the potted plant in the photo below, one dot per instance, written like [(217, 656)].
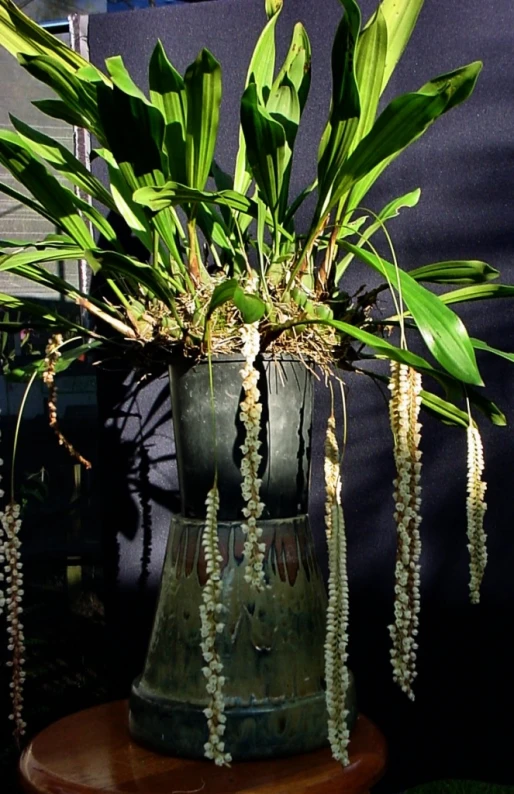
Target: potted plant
[(242, 305)]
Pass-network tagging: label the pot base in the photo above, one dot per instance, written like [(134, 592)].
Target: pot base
[(252, 732)]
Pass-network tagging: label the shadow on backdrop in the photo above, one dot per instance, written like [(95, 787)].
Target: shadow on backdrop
[(461, 722)]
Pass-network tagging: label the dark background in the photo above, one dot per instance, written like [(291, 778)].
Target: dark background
[(461, 722)]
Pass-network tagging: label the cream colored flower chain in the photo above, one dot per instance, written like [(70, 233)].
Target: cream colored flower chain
[(475, 508), (11, 595), (336, 642), (250, 415), (211, 625), (405, 386), (11, 525)]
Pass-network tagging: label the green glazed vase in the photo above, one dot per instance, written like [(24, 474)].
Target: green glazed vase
[(272, 644)]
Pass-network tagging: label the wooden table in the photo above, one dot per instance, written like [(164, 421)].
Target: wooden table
[(91, 752)]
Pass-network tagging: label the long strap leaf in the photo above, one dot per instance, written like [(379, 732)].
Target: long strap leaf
[(402, 122), (400, 17), (260, 72), (19, 34), (266, 147), (168, 93), (443, 331), (172, 194), (60, 158), (203, 91), (78, 95), (59, 202), (345, 107), (470, 271)]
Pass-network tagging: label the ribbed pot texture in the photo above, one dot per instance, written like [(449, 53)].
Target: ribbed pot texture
[(272, 644)]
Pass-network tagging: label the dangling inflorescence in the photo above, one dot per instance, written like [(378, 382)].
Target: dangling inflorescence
[(11, 595), (336, 642), (476, 507), (250, 415), (405, 386), (12, 601), (211, 626), (52, 356), (2, 556)]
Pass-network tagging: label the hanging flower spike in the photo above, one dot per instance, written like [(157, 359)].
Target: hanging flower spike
[(2, 551), (475, 508), (211, 626), (52, 356), (10, 602), (250, 415), (10, 552), (336, 643), (405, 386)]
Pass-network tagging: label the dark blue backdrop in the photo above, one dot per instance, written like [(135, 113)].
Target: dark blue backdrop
[(461, 722)]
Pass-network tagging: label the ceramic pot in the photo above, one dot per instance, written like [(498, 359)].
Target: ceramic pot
[(272, 644)]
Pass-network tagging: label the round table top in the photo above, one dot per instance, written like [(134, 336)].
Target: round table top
[(91, 751)]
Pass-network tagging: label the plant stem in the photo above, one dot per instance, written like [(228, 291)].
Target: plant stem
[(155, 248), (17, 429), (194, 267)]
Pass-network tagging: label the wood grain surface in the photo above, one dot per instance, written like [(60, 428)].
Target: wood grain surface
[(92, 752)]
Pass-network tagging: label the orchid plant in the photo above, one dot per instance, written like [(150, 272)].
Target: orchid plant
[(224, 266)]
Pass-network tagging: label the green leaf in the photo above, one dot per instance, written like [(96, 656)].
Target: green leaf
[(479, 345), (252, 308), (260, 72), (213, 227), (8, 261), (478, 292), (487, 407), (168, 93), (400, 17), (122, 79), (266, 148), (442, 330), (382, 348), (370, 58), (259, 239), (134, 132), (445, 411), (345, 92), (296, 68), (172, 194), (60, 158), (203, 91), (469, 271), (51, 240), (21, 198), (338, 135), (297, 203), (451, 415), (58, 202), (273, 7), (38, 313), (79, 96), (402, 122), (284, 106), (19, 34), (222, 293), (66, 359), (57, 109), (391, 210), (133, 215), (139, 273)]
